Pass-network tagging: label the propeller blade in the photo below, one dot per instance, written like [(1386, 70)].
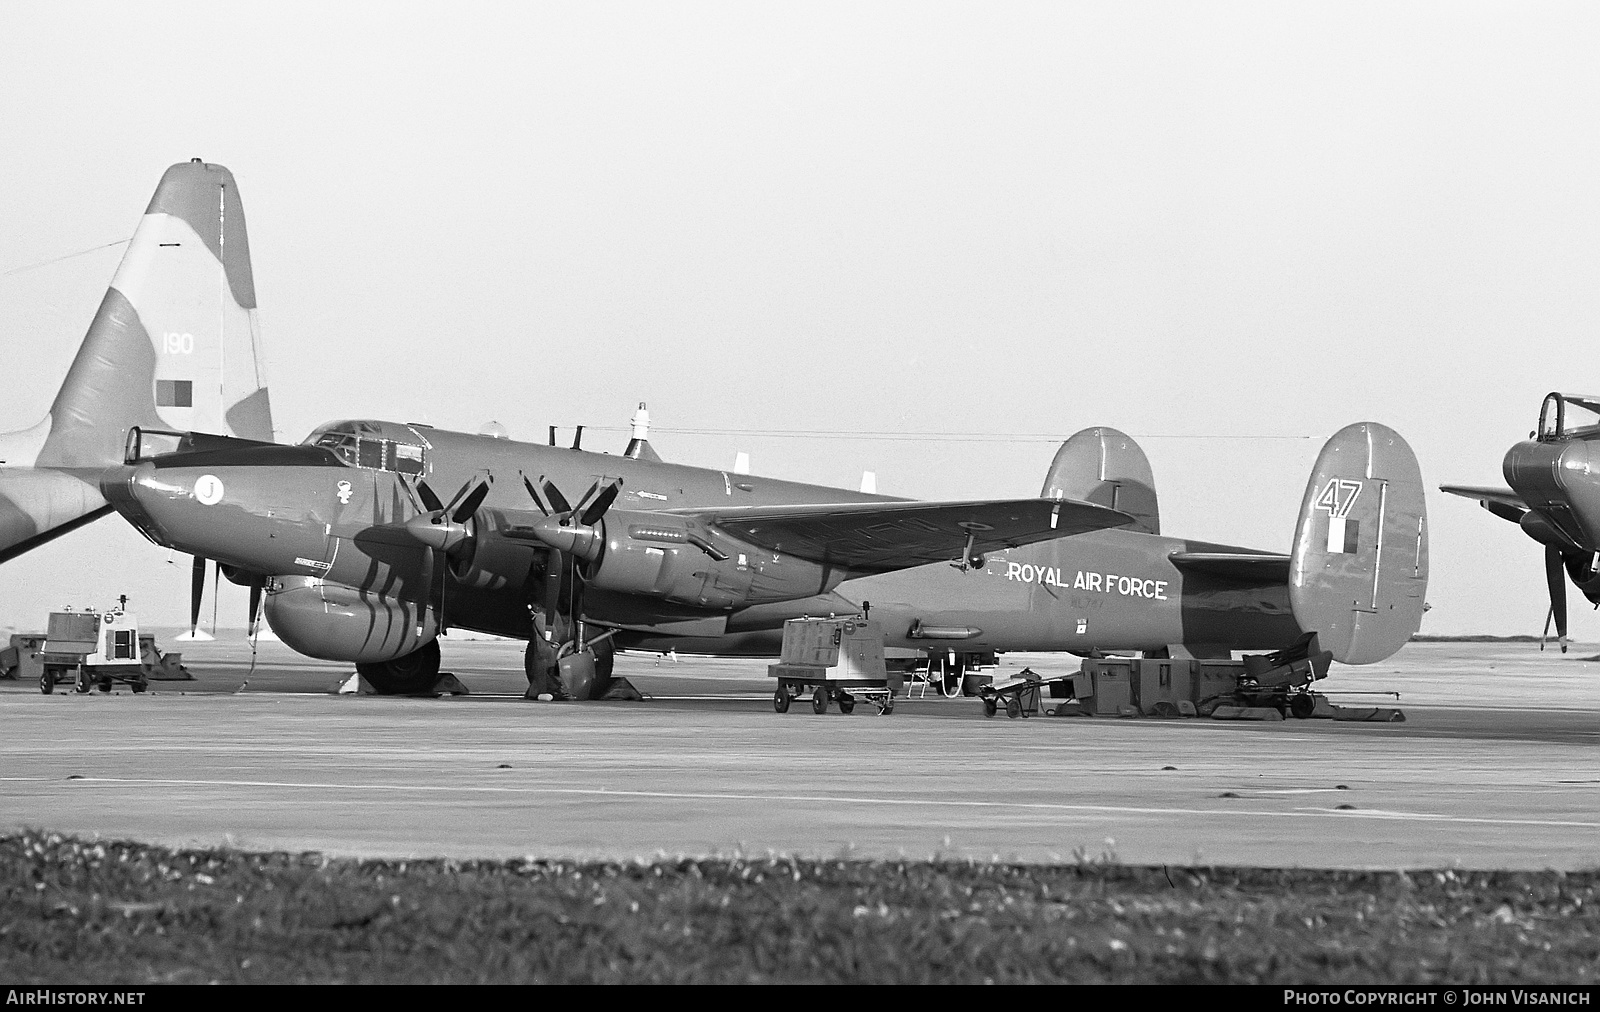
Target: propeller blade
[(602, 502), (429, 500), (470, 504), (552, 587), (558, 502), (197, 589), (533, 494), (1556, 577), (255, 606)]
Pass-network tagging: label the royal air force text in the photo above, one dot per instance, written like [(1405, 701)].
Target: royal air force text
[(1106, 583)]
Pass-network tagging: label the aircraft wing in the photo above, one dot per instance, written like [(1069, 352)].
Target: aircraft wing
[(1254, 567), (878, 537)]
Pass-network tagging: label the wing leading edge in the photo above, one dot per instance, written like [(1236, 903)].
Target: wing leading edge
[(879, 537)]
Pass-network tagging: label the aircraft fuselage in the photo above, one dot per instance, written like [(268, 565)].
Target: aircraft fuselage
[(311, 517)]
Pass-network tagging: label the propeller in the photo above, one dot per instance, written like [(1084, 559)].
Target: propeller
[(443, 527), (571, 529), (255, 607), (570, 534), (1555, 575), (197, 589)]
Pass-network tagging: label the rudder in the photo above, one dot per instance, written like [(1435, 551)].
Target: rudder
[(175, 344), (1106, 467), (1359, 567)]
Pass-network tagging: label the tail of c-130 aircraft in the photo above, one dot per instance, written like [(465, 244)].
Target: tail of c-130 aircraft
[(174, 348)]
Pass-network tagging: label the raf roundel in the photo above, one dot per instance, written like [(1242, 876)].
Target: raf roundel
[(208, 489)]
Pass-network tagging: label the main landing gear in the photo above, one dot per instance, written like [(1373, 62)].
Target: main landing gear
[(415, 673)]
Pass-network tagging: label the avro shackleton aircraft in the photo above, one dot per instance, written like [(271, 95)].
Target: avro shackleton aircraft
[(172, 350), (1555, 498), (361, 559)]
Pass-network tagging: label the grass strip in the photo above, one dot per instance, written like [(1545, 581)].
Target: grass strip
[(100, 912)]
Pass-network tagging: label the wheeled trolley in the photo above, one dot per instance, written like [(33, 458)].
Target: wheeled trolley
[(92, 650), (1017, 695), (823, 691), (832, 660)]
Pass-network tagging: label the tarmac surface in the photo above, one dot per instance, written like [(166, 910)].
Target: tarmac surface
[(1496, 766)]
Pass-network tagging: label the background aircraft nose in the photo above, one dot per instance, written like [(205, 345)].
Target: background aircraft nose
[(151, 499)]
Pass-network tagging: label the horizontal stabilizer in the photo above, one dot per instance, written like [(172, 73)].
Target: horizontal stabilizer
[(1253, 567), (1502, 502), (877, 537)]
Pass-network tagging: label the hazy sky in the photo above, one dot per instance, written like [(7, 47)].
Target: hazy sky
[(1205, 224)]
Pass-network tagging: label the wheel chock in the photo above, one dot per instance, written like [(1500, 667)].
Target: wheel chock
[(355, 685), (1245, 713), (448, 685)]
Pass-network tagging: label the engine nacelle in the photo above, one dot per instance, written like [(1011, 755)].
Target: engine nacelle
[(490, 561), (680, 560), (339, 623)]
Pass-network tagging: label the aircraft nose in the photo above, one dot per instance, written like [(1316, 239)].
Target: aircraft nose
[(157, 501)]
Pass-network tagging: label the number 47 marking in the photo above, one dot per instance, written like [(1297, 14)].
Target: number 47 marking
[(1338, 497)]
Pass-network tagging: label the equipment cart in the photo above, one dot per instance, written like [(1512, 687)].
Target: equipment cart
[(833, 660), (92, 649), (1019, 694)]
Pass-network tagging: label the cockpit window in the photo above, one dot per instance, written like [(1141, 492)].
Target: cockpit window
[(1569, 416), (373, 453)]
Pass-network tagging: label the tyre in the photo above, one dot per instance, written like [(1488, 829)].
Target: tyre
[(989, 707), (138, 685), (82, 684), (47, 681), (1302, 705), (1013, 708), (819, 700), (847, 703), (414, 673), (780, 700)]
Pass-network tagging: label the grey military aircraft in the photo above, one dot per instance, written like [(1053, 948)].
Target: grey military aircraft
[(173, 350), (1356, 574), (361, 559), (1555, 498)]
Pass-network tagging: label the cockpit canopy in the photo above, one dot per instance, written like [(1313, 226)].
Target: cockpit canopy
[(379, 446), (1568, 416)]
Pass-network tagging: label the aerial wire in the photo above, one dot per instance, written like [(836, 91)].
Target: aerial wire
[(936, 437), (68, 256)]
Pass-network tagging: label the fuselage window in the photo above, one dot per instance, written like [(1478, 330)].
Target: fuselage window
[(371, 454), (407, 458)]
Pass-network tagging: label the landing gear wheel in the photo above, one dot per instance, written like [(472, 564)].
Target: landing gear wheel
[(47, 681), (82, 684), (847, 703), (819, 700), (780, 700), (1302, 705), (414, 673), (138, 686), (539, 664), (989, 707), (1013, 708)]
